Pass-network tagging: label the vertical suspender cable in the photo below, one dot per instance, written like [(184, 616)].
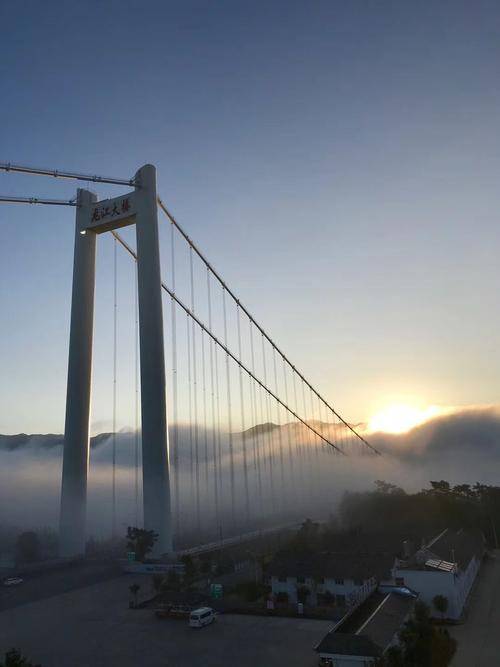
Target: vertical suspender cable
[(262, 436), (190, 407), (195, 401), (136, 397), (309, 445), (301, 445), (317, 441), (243, 431), (229, 417), (269, 432), (175, 399), (115, 308), (219, 457), (293, 480), (212, 393), (205, 418), (256, 439), (280, 436)]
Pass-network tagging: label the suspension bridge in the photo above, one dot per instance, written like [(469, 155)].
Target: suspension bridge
[(249, 444)]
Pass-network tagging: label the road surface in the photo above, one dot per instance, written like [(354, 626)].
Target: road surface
[(479, 637), (94, 626)]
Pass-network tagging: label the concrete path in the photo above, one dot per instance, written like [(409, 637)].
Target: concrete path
[(479, 637)]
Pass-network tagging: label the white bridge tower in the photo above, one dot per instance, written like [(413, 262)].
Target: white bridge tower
[(94, 217)]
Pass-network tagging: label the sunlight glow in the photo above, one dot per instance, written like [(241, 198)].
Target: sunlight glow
[(399, 418)]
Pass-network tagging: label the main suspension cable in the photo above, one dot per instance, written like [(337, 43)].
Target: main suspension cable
[(56, 173), (220, 344), (256, 324)]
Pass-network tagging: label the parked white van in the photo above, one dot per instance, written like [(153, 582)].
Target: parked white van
[(200, 617)]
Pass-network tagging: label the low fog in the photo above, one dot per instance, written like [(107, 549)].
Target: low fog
[(296, 476)]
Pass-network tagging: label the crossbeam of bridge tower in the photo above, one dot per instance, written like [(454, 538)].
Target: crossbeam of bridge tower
[(140, 208)]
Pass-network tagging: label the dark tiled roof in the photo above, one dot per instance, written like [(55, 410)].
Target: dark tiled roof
[(332, 565), (453, 546), (376, 629), (388, 619), (377, 542), (341, 644), (458, 547)]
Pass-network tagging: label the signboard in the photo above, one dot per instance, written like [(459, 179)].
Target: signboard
[(216, 591), (135, 567), (112, 213)]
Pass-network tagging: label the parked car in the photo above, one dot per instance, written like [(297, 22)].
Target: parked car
[(202, 616), (180, 611), (163, 611), (12, 581)]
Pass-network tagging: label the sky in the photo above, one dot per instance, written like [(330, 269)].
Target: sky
[(337, 162)]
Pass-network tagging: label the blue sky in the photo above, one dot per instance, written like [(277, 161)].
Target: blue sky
[(337, 161)]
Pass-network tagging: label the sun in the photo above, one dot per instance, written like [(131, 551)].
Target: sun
[(400, 418)]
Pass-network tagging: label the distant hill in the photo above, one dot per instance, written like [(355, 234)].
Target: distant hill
[(10, 443), (48, 441)]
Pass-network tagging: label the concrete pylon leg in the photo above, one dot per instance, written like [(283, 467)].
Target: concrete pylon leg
[(155, 460), (76, 430)]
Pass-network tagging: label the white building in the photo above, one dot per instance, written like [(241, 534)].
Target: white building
[(332, 579), (447, 566)]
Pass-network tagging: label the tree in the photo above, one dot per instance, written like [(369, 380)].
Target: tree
[(13, 658), (134, 589), (171, 582), (388, 488), (442, 487), (28, 547), (141, 541), (440, 602), (421, 644), (416, 637), (157, 581), (189, 568), (307, 536), (393, 658), (328, 598), (443, 648), (205, 566), (302, 594)]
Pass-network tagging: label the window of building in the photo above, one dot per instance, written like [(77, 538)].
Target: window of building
[(339, 582), (282, 579), (340, 600), (358, 582), (321, 580), (400, 581), (301, 580)]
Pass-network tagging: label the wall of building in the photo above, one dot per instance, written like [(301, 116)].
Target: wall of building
[(350, 592), (465, 582), (455, 587)]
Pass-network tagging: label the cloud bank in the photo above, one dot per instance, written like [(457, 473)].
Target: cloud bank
[(463, 446)]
